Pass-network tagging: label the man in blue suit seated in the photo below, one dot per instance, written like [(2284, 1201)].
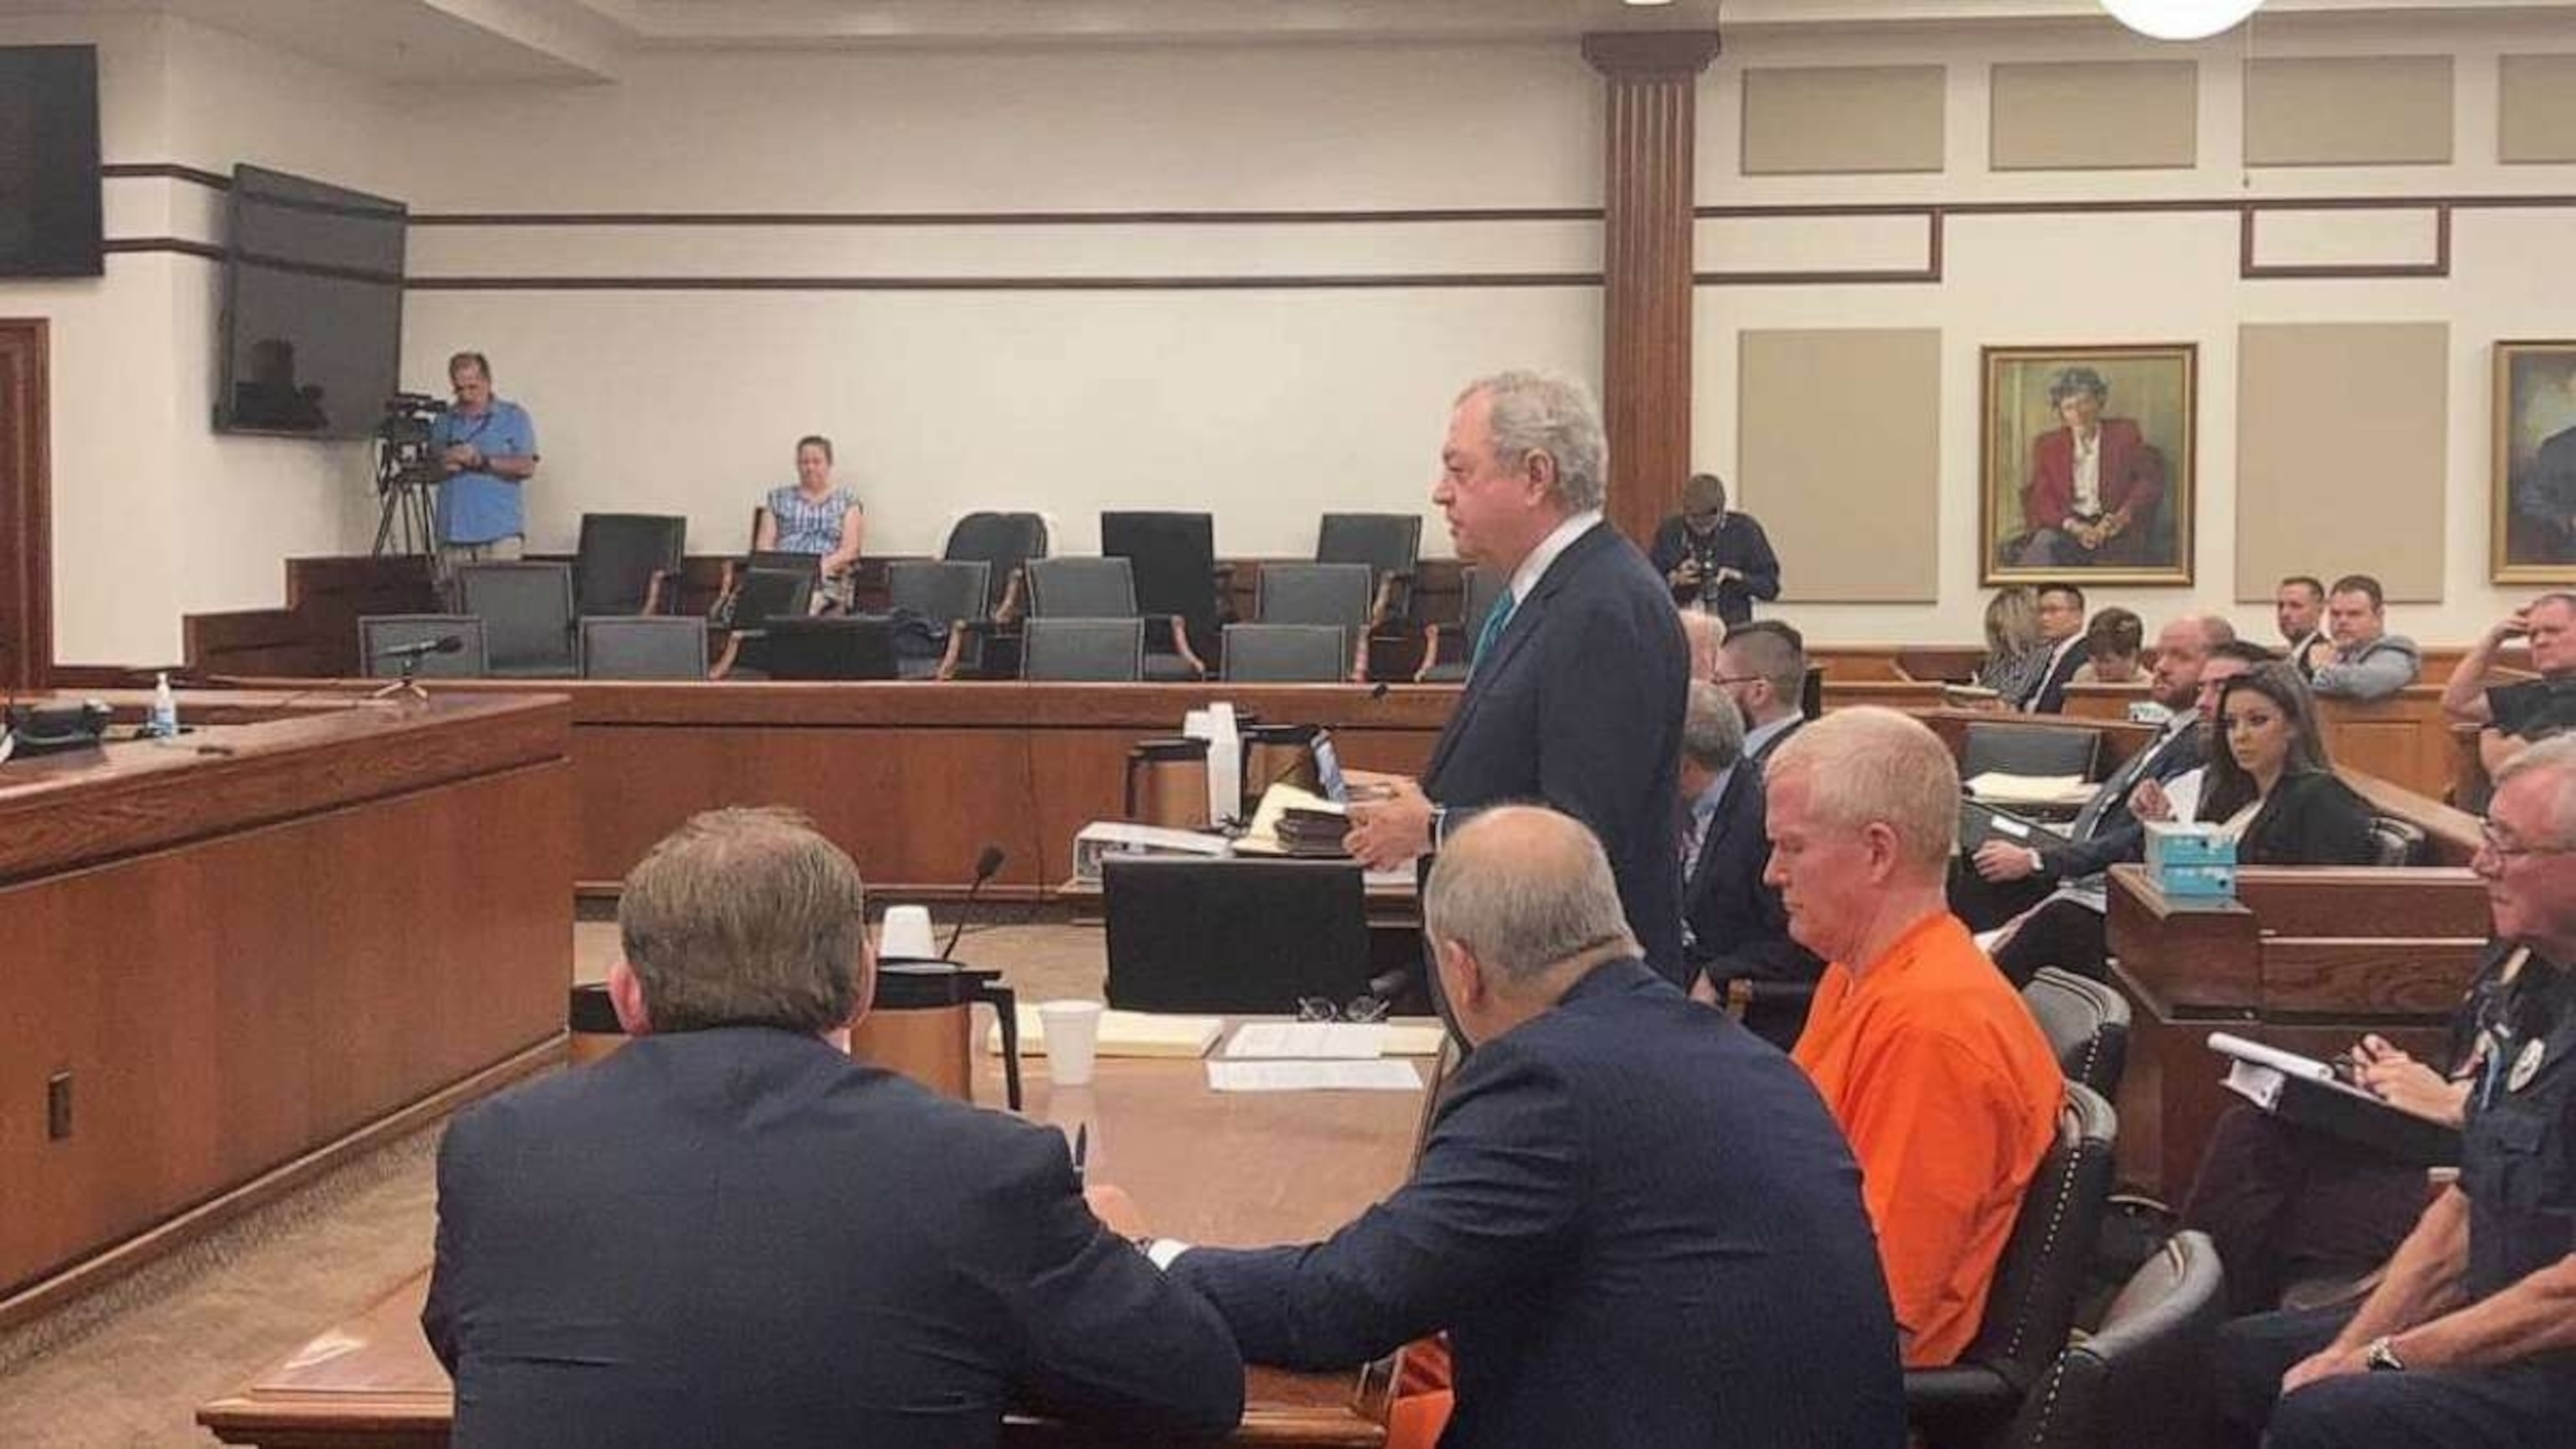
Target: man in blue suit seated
[(1636, 1222), (1734, 928), (730, 1232)]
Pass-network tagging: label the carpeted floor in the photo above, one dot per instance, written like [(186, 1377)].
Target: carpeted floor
[(128, 1366)]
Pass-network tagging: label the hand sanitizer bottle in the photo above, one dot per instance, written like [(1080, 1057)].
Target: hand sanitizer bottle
[(165, 711)]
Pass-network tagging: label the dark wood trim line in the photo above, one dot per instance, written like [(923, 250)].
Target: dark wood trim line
[(2249, 270), (2549, 201), (94, 1273), (165, 171), (1337, 217), (1353, 281), (130, 246)]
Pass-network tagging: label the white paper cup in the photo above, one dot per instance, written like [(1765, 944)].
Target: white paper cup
[(1072, 1040), (907, 934)]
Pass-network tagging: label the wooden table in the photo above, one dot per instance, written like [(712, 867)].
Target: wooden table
[(258, 949), (1238, 1170)]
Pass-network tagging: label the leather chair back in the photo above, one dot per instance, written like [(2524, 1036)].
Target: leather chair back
[(1287, 653), (1082, 588), (642, 647), (2399, 842), (2142, 1381), (619, 555), (2028, 750), (1003, 541), (527, 613), (1336, 594), (1096, 651), (380, 632), (2086, 1023)]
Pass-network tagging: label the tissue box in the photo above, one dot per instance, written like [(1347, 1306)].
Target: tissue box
[(2191, 860)]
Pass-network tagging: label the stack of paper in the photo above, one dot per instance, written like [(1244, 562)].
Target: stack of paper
[(1333, 1040), (1996, 787), (1124, 1034), (1365, 1076)]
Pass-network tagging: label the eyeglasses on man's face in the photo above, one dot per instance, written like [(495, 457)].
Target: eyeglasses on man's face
[(2504, 847)]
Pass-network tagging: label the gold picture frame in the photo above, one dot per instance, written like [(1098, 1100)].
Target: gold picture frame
[(2531, 537), (2032, 523)]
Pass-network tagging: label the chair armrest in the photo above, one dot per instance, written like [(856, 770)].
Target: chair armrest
[(1956, 1395), (1382, 608), (957, 632), (1013, 602), (1181, 645), (724, 661), (1430, 653), (662, 579), (1360, 658)]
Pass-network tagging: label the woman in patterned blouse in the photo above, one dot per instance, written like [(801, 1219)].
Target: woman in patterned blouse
[(812, 516)]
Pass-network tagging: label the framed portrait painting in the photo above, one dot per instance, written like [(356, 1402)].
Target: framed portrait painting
[(2089, 470), (2532, 491)]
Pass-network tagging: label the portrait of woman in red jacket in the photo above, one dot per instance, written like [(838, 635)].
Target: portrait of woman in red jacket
[(2096, 489)]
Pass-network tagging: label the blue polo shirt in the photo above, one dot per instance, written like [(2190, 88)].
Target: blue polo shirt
[(481, 507)]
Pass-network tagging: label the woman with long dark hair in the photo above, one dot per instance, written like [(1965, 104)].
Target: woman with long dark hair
[(2271, 781)]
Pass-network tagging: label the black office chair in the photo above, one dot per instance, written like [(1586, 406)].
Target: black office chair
[(845, 646), (1004, 543), (644, 647), (2028, 750), (380, 632), (527, 614), (1172, 557), (1286, 653), (2399, 842), (2086, 1023), (1389, 543), (1334, 595), (2031, 1307), (762, 597), (1478, 589), (628, 563), (1237, 936), (1105, 588), (1089, 651), (2142, 1380), (949, 595)]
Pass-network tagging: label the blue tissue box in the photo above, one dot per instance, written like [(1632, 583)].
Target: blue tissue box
[(2191, 860)]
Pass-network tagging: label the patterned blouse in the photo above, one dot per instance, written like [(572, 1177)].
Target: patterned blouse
[(810, 525)]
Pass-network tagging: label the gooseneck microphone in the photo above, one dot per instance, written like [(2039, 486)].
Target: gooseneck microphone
[(987, 866)]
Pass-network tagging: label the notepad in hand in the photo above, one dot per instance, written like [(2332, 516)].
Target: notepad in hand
[(1124, 1034), (2305, 1091)]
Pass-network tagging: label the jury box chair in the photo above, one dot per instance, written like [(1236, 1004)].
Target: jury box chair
[(528, 617), (378, 633)]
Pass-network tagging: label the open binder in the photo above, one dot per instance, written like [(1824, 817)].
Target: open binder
[(2307, 1091)]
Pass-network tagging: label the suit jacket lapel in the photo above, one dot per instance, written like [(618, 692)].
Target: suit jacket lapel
[(1516, 631), (1730, 802)]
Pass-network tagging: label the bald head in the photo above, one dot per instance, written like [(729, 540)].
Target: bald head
[(1528, 893)]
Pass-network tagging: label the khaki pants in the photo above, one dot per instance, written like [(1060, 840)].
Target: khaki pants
[(499, 550)]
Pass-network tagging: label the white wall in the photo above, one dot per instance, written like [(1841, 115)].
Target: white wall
[(154, 515), (1265, 406), (2038, 279)]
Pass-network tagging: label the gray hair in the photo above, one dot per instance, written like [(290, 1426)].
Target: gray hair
[(2075, 382), (2556, 757), (745, 918), (1534, 412), (1868, 765), (1712, 728), (1524, 889)]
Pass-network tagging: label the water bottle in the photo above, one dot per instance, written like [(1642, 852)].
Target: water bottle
[(164, 727)]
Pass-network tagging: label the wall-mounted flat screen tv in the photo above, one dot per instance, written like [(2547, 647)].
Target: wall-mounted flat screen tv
[(312, 333), (49, 190)]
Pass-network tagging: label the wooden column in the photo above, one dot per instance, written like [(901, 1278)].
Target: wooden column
[(26, 534), (1648, 194)]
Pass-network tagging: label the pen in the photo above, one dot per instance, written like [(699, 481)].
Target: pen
[(1081, 1150)]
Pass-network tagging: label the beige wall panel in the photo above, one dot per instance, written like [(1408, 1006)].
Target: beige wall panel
[(2392, 236), (2536, 109), (2095, 115), (1839, 119), (1852, 505), (2342, 436), (2365, 110), (1737, 244)]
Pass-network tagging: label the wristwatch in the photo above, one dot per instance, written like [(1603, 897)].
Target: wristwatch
[(2380, 1358)]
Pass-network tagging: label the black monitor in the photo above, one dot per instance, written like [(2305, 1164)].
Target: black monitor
[(312, 333), (1234, 936), (50, 204), (854, 647)]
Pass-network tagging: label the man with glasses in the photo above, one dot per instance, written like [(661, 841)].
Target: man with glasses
[(2470, 1337), (2061, 628), (1763, 668), (1716, 562), (1636, 1223)]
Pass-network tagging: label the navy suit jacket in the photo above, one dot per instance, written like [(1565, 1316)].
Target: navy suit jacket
[(742, 1236), (1578, 706), (1638, 1225), (2049, 696), (2106, 834), (1738, 926)]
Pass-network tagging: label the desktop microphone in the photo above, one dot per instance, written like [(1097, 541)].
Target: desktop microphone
[(987, 866), (445, 644)]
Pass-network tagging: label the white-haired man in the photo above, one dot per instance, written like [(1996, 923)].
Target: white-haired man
[(1575, 690), (1929, 1060)]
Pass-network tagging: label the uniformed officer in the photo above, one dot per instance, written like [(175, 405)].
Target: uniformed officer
[(2470, 1337)]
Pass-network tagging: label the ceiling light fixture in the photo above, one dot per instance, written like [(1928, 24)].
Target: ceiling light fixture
[(2180, 19)]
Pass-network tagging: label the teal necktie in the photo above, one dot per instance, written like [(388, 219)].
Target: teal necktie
[(1495, 618)]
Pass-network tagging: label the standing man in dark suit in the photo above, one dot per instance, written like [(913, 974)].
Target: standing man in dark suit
[(1637, 1225), (1575, 693), (730, 1232), (1733, 925), (2061, 628)]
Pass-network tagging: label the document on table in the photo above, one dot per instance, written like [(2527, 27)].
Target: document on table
[(1346, 1076), (1307, 1040)]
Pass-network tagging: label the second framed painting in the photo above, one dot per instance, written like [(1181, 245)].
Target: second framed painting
[(2089, 470)]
